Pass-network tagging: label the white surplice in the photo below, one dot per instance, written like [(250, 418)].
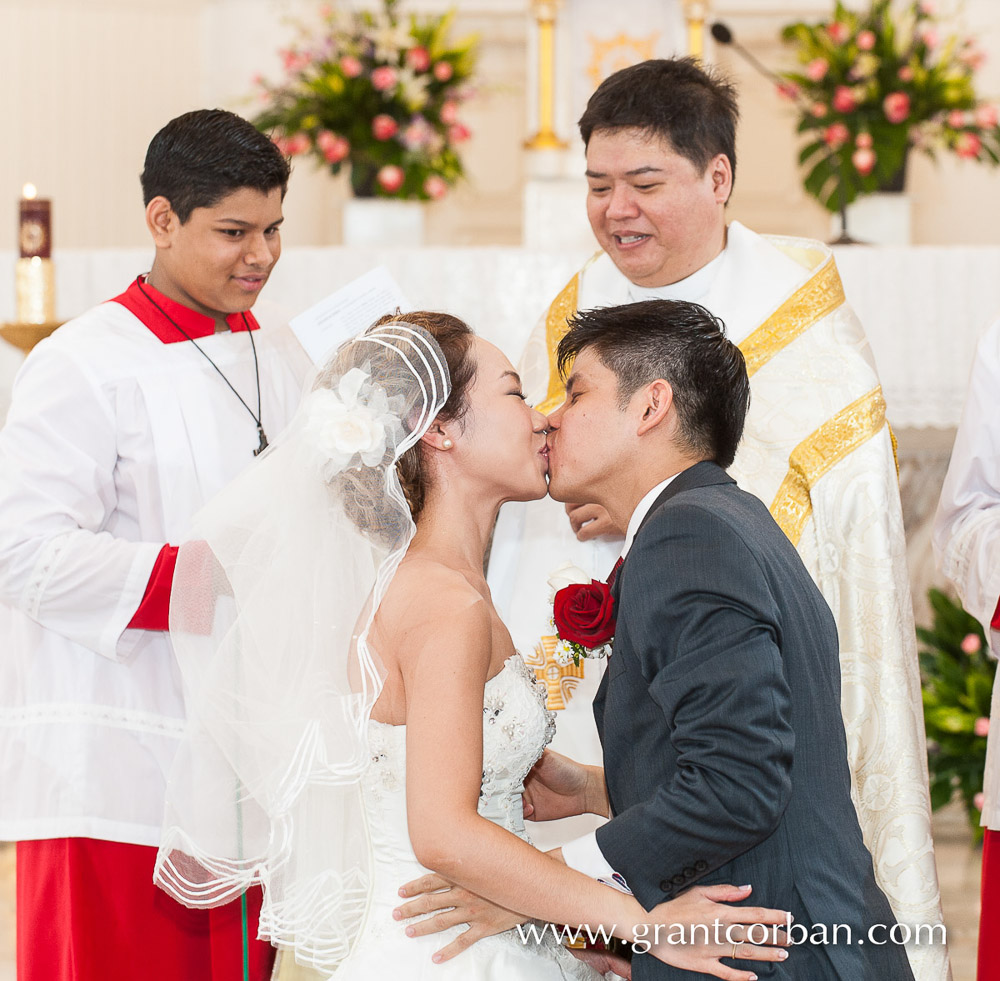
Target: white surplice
[(113, 441), (967, 526)]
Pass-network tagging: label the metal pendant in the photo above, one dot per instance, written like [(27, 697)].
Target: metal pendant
[(263, 440)]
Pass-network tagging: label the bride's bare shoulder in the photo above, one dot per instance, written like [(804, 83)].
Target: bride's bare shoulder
[(425, 590)]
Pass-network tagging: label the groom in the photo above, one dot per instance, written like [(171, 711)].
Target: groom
[(719, 713)]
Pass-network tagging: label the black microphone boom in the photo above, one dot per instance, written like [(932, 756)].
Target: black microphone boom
[(721, 33), (724, 35)]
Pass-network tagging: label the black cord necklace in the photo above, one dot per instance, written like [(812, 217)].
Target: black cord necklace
[(256, 418)]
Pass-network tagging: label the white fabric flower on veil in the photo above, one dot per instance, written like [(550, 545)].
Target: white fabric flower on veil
[(351, 426)]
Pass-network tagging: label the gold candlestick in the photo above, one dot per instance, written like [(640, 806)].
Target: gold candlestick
[(545, 138), (695, 13), (35, 291)]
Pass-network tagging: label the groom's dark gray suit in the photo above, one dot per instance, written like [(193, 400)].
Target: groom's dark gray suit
[(724, 748)]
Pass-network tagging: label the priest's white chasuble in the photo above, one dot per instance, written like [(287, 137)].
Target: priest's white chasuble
[(817, 449)]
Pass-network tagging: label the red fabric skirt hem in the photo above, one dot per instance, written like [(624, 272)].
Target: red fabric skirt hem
[(88, 910)]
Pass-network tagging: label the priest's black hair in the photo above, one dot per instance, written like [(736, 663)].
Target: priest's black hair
[(200, 157), (675, 99), (685, 345)]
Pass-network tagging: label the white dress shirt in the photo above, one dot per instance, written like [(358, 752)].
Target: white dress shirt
[(584, 854)]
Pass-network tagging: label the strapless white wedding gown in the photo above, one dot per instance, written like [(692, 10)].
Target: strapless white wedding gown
[(516, 728)]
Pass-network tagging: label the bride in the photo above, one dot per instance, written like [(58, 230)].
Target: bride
[(357, 712)]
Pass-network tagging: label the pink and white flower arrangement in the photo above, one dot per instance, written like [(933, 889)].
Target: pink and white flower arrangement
[(435, 187), (391, 178), (896, 106), (384, 127), (836, 135), (971, 644), (418, 59), (864, 160), (891, 72), (384, 77), (378, 92), (333, 146)]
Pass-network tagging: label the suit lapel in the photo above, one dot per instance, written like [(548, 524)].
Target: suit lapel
[(599, 699)]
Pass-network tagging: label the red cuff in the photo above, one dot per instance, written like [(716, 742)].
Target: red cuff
[(154, 610), (995, 622)]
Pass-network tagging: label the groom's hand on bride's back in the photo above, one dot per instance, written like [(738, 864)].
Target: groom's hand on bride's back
[(451, 905), (592, 521)]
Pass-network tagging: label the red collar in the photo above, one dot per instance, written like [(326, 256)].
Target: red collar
[(139, 301)]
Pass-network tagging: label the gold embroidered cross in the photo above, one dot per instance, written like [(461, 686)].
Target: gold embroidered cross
[(559, 680)]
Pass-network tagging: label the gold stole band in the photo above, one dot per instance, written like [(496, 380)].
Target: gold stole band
[(819, 296), (818, 453), (556, 325)]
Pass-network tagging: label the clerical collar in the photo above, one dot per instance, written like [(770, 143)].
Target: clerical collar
[(692, 288), (157, 315)]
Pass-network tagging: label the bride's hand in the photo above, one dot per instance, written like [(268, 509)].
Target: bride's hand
[(451, 905), (727, 928)]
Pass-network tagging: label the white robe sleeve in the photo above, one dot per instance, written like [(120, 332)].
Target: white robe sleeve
[(58, 563), (967, 525)]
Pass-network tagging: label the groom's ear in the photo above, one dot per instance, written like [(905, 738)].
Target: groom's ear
[(655, 403)]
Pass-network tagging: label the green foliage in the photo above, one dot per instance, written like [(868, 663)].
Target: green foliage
[(957, 675), (382, 96), (874, 85)]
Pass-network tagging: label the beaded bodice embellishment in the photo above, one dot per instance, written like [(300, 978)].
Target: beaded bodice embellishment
[(516, 729)]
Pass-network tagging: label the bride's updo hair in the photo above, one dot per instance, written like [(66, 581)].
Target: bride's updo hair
[(454, 337)]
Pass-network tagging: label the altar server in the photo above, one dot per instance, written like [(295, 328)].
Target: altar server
[(967, 546), (660, 142), (122, 425)]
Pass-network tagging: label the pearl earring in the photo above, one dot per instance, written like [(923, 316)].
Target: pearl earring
[(447, 443)]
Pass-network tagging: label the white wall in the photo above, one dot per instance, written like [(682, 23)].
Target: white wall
[(88, 82)]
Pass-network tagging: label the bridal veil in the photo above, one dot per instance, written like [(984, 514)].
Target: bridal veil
[(271, 605)]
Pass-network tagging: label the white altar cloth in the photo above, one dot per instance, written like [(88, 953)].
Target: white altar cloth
[(922, 306)]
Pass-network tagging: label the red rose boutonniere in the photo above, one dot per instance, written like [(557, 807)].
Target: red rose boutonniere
[(584, 619)]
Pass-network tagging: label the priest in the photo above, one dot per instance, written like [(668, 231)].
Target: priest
[(660, 155), (967, 547), (122, 425)]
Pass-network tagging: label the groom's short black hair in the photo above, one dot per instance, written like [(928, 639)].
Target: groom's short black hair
[(683, 344)]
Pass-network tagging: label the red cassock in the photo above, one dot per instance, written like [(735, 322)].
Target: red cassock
[(88, 911)]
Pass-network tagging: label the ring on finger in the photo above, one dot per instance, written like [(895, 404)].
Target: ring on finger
[(733, 954)]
